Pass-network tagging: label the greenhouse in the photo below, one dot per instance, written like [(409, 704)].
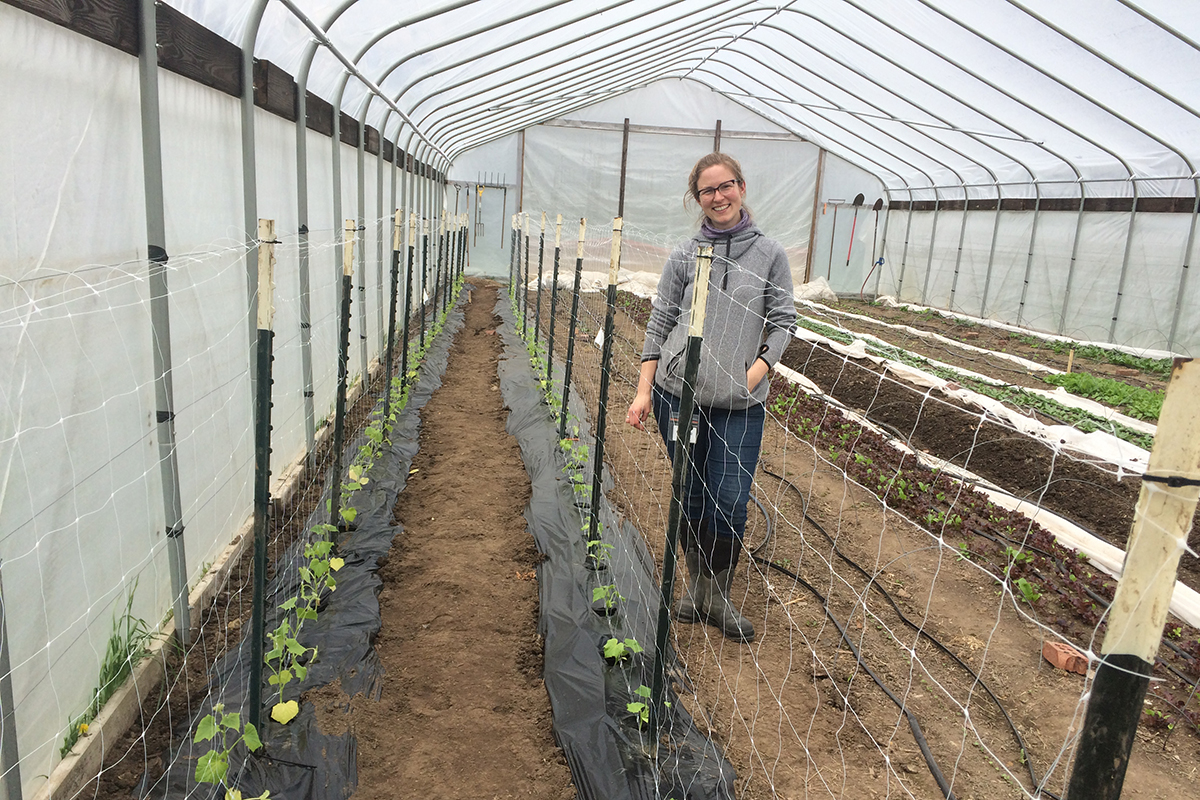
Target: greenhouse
[(349, 348)]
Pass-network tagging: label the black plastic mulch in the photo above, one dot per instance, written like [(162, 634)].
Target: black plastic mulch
[(604, 743), (298, 761)]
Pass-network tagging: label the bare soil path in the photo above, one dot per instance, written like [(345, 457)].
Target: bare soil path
[(463, 712)]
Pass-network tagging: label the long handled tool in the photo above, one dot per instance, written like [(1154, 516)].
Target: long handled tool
[(874, 235), (858, 201), (832, 235)]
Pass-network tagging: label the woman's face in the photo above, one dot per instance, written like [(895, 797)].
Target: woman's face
[(723, 208)]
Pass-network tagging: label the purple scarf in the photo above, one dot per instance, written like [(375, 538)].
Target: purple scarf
[(709, 232)]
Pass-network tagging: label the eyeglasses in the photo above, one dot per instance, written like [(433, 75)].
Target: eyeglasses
[(725, 189)]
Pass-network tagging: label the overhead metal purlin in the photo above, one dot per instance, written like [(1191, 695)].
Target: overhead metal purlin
[(983, 166), (1115, 114), (999, 194), (475, 57), (697, 28), (793, 11), (642, 77), (780, 14), (917, 128), (438, 122), (873, 126), (619, 71), (323, 38)]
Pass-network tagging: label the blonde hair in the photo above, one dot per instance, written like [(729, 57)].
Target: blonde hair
[(692, 195)]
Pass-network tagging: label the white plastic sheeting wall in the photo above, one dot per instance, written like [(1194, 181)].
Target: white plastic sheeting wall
[(81, 499), (573, 167), (988, 279), (495, 163), (81, 513)]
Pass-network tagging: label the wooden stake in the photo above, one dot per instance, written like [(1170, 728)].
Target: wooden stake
[(1070, 360), (1162, 519)]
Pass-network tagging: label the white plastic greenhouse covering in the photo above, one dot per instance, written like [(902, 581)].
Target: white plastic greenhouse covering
[(1036, 161)]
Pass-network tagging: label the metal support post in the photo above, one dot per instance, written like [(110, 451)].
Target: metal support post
[(987, 277), (10, 754), (262, 460), (932, 244), (566, 393), (614, 267), (1037, 204), (1181, 292), (1066, 303), (1116, 314), (679, 473), (160, 320)]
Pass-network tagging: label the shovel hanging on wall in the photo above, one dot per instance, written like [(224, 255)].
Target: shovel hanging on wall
[(858, 201)]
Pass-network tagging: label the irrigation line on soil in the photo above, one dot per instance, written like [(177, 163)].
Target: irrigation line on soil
[(873, 584), (913, 724)]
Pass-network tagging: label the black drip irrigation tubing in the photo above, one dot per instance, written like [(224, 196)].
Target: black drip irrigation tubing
[(872, 584), (298, 761)]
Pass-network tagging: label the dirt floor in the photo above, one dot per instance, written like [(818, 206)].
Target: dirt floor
[(798, 714), (464, 712)]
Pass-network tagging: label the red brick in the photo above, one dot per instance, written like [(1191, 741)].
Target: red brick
[(1065, 657)]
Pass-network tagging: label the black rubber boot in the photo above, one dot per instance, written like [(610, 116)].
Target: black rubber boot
[(721, 613), (689, 610), (720, 556)]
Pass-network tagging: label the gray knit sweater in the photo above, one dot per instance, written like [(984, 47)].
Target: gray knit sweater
[(750, 313)]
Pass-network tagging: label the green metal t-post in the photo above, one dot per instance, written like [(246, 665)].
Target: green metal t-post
[(412, 233), (262, 460), (679, 473), (339, 416), (553, 298), (391, 321), (562, 417), (537, 309), (614, 267)]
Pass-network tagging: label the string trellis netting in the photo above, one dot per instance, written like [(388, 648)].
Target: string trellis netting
[(916, 555), (88, 593), (990, 210)]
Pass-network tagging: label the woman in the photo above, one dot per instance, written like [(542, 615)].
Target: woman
[(750, 312)]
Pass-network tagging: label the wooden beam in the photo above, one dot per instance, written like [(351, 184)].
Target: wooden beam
[(319, 114), (189, 49), (274, 90), (112, 22)]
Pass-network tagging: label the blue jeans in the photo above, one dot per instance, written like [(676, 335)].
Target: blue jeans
[(724, 459)]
